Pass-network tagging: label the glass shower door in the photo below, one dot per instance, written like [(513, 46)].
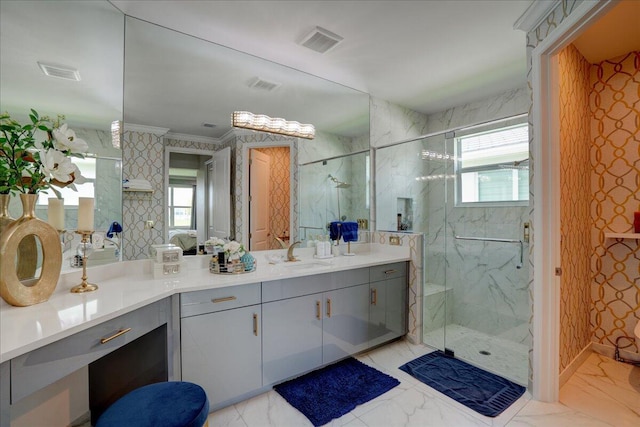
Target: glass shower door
[(486, 298)]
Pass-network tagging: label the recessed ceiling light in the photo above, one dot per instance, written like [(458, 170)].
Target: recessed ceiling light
[(321, 40), (60, 71)]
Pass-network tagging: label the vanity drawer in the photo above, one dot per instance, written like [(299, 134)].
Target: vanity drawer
[(212, 300), (387, 271), (41, 367), (275, 290)]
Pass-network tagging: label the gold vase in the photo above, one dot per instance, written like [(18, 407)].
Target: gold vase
[(16, 286), (28, 248)]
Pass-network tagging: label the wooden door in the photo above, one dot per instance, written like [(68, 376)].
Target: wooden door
[(259, 188)]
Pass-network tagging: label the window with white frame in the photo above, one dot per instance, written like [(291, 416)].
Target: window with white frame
[(493, 166), (180, 205)]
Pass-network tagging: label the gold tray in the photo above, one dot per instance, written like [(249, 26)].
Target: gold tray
[(236, 268)]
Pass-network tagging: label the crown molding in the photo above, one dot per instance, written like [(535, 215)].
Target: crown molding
[(535, 13), (145, 129), (193, 138)]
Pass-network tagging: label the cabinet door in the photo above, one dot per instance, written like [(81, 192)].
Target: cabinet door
[(346, 322), (387, 312), (292, 337), (222, 352)]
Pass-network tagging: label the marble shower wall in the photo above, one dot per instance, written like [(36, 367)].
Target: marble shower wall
[(319, 195), (485, 289)]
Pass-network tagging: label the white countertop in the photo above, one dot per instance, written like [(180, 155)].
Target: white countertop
[(129, 285)]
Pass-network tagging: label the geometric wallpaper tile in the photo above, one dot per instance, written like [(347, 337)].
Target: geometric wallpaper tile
[(615, 182)]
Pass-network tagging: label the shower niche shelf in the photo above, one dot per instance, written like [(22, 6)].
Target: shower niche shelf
[(622, 236)]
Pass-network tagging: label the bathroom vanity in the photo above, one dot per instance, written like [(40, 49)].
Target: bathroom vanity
[(236, 335)]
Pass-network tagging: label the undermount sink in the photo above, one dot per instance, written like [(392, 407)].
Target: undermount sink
[(304, 265)]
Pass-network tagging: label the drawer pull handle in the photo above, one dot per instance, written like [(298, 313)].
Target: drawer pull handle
[(328, 307), (224, 299), (114, 336), (390, 271), (374, 296), (318, 313), (255, 324)]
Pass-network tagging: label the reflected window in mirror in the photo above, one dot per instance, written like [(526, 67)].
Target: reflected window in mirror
[(101, 174), (181, 206)]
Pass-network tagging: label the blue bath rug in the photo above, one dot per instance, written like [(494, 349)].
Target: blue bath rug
[(334, 390), (482, 391)]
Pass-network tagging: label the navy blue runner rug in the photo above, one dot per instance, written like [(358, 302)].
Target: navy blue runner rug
[(335, 390), (482, 391)]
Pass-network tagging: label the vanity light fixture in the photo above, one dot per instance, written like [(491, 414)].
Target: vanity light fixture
[(260, 122), (116, 133)]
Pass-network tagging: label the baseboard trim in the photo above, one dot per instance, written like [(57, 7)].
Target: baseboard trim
[(575, 364)]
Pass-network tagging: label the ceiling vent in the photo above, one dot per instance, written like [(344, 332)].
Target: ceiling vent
[(262, 84), (321, 40), (59, 71)]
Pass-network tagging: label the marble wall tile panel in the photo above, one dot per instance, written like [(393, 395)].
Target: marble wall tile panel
[(391, 123)]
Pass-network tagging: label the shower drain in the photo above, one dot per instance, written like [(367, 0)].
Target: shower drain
[(485, 352)]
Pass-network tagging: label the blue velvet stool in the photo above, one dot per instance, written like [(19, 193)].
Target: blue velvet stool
[(166, 404)]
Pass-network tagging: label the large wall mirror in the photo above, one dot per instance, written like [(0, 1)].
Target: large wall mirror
[(191, 87), (70, 37)]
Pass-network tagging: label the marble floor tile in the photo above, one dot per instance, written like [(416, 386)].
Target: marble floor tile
[(508, 359), (601, 393), (226, 417), (414, 408), (605, 389), (542, 414)]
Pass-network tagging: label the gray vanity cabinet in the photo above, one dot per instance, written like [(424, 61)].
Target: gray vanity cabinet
[(221, 342), (292, 337), (345, 324), (303, 332), (388, 302)]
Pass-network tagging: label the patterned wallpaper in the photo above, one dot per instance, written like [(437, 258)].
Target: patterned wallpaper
[(280, 191), (615, 182), (574, 209), (142, 157), (615, 270), (237, 166), (534, 37)]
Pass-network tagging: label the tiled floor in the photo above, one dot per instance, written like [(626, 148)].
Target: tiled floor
[(507, 358), (601, 393)]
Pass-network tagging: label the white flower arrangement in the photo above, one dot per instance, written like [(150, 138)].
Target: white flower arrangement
[(31, 166), (233, 250)]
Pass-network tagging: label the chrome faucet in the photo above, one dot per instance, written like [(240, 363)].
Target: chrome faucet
[(290, 256), (117, 244)]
